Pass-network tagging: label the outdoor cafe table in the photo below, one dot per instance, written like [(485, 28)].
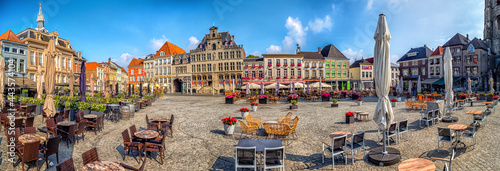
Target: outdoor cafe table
[(27, 138), (417, 164), (260, 144), (474, 112), (103, 166), (90, 116), (66, 123), (146, 134), (160, 120), (340, 133), (457, 128)]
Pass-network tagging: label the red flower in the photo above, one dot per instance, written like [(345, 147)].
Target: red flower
[(244, 110), (430, 99), (229, 121), (254, 104), (299, 64), (359, 99), (293, 65), (349, 114), (278, 65), (495, 97), (394, 100), (269, 65)]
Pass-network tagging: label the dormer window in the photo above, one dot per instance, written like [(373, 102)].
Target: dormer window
[(412, 54), (470, 48), (162, 53)]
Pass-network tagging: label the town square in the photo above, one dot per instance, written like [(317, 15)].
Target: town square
[(347, 86)]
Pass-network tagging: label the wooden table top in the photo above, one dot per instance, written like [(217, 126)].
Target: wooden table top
[(358, 111), (103, 166), (66, 123), (160, 119), (459, 100), (487, 102), (340, 133), (474, 112), (146, 134), (26, 138), (415, 164), (91, 116), (457, 127), (20, 117)]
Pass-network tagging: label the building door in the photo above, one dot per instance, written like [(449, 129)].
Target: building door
[(177, 85)]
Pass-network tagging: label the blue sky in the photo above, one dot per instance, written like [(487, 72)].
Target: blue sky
[(126, 29)]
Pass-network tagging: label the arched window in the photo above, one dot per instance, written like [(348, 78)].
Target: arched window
[(213, 47), (213, 34), (470, 48)]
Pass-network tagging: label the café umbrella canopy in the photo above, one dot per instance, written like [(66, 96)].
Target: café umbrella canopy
[(39, 82), (419, 85), (49, 55), (492, 91), (448, 79), (2, 75), (83, 81), (382, 66)]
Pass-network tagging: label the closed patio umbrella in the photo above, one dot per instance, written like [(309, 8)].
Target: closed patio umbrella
[(419, 85), (337, 86), (116, 88), (71, 82), (409, 88), (307, 91), (39, 82), (247, 90), (277, 87), (469, 85), (448, 79), (140, 89), (92, 85), (383, 111), (83, 81), (262, 87), (319, 84), (400, 85), (2, 75), (49, 54), (492, 91), (292, 88)]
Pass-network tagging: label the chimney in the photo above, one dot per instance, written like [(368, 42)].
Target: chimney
[(232, 36), (467, 36), (109, 60), (298, 49), (319, 49)]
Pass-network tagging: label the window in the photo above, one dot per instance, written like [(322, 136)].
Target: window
[(269, 61), (32, 77), (285, 72), (338, 73), (21, 51), (131, 71), (261, 75), (40, 59), (278, 73), (232, 66), (321, 74), (162, 53), (437, 70), (423, 62), (299, 73), (338, 65), (292, 72), (328, 73), (314, 64), (270, 72), (226, 66), (431, 70), (405, 63), (278, 61), (314, 73), (299, 61), (414, 71), (344, 73), (292, 62), (232, 54), (169, 70), (474, 70), (307, 73), (238, 54), (226, 55), (64, 63), (6, 49), (362, 75), (21, 65), (333, 67), (32, 58), (14, 50), (209, 56), (413, 63), (285, 62), (253, 74), (327, 65), (238, 66), (246, 74), (344, 65), (422, 70), (140, 71), (213, 46), (370, 74), (406, 72), (333, 73), (456, 71)]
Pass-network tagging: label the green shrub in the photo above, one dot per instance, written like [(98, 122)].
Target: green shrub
[(294, 102), (103, 100), (334, 101), (98, 107), (83, 105), (64, 98), (114, 101)]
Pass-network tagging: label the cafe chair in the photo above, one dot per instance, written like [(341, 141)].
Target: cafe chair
[(80, 130), (93, 124), (338, 147), (274, 158), (28, 153), (403, 128), (150, 124), (470, 132), (445, 135), (133, 168), (68, 135), (29, 130), (357, 142), (391, 132), (169, 125), (245, 157), (51, 147), (157, 145), (429, 117), (129, 145), (132, 134), (447, 166), (248, 128), (481, 118), (29, 122), (67, 165), (90, 156)]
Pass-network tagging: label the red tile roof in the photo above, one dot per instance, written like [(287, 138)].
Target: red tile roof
[(370, 60), (92, 65), (170, 49), (123, 70), (438, 51), (135, 62), (9, 35)]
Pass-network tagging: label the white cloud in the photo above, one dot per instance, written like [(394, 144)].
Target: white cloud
[(256, 53), (318, 25), (193, 42), (124, 59), (157, 43), (296, 33), (273, 49), (333, 6), (353, 55), (369, 4)]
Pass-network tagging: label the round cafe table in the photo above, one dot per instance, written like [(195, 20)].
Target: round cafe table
[(27, 138), (417, 164), (160, 120), (458, 128), (66, 123), (146, 134), (340, 133), (102, 166), (91, 116)]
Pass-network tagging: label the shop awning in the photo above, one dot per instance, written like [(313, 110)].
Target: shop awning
[(429, 81), (441, 80)]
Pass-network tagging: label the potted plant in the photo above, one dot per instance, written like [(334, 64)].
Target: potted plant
[(98, 109), (229, 124), (489, 97), (393, 102), (463, 96), (114, 100), (292, 97), (325, 97), (25, 92), (294, 104), (263, 99), (360, 101), (349, 117), (354, 96), (229, 99), (334, 103), (495, 98), (254, 106), (103, 100), (439, 97), (73, 107), (430, 99), (84, 107), (482, 96), (39, 106), (244, 112)]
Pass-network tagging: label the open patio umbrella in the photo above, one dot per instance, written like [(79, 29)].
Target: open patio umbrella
[(409, 87), (39, 82), (492, 91), (262, 87), (469, 85), (49, 54), (71, 82), (277, 87), (307, 91), (383, 111), (448, 79), (251, 86), (83, 81), (140, 89), (247, 89), (419, 85), (2, 75), (319, 84), (273, 86)]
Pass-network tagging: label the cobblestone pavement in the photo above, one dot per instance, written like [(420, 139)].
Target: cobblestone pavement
[(199, 142)]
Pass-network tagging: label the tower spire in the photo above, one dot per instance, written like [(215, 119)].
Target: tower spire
[(40, 20)]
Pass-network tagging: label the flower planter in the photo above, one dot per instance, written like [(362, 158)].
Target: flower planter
[(349, 119), (354, 96), (325, 99), (359, 103), (229, 129), (86, 112), (263, 101), (335, 105), (482, 97), (254, 108), (244, 114), (229, 100), (393, 104), (439, 97), (489, 98), (294, 107)]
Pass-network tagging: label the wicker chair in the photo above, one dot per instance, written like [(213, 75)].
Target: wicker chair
[(288, 115), (29, 152), (132, 130), (90, 156), (294, 125), (278, 129), (29, 122), (52, 147), (68, 135), (129, 145), (81, 130), (151, 125), (157, 147), (67, 165), (249, 128), (254, 120), (51, 127), (169, 125), (94, 124), (29, 130), (133, 168)]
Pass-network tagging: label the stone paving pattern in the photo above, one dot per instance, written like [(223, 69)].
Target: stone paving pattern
[(199, 142)]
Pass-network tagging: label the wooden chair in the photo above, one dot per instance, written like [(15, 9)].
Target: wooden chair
[(51, 147), (93, 124), (249, 128), (51, 127), (255, 120), (90, 156), (29, 152), (29, 122), (169, 125), (157, 147), (29, 130), (69, 134), (67, 165), (151, 125), (80, 130), (132, 168), (19, 123), (129, 145)]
